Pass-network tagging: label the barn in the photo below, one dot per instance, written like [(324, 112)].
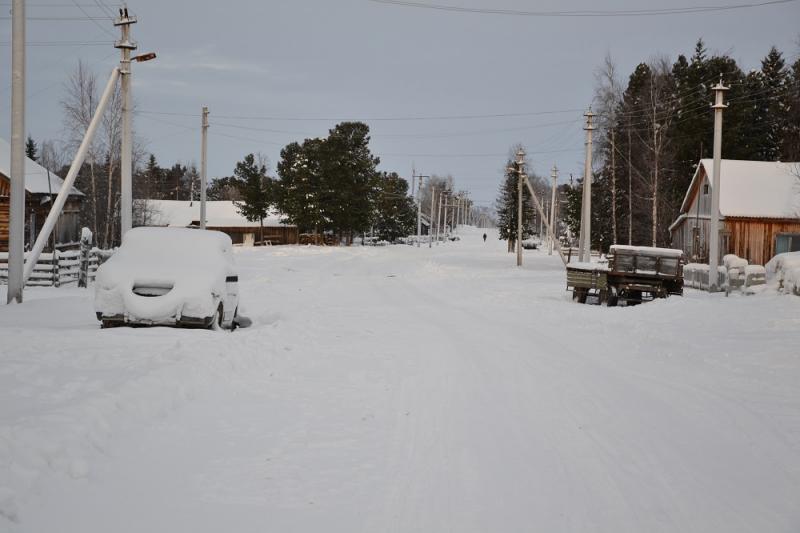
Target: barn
[(759, 209), (40, 186), (220, 216)]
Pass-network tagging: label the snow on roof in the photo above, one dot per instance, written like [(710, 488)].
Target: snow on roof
[(35, 174), (758, 189), (219, 214)]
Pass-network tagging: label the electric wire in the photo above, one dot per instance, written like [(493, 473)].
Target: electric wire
[(582, 13)]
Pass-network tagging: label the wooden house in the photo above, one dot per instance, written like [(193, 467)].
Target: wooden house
[(40, 186), (220, 216), (759, 210)]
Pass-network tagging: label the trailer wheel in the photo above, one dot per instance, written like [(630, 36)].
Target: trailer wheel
[(613, 299), (581, 294)]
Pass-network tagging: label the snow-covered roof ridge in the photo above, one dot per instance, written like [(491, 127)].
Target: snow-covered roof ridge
[(36, 176), (756, 189), (219, 214)]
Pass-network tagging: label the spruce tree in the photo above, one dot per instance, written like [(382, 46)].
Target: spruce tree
[(395, 212), (300, 196), (771, 106), (256, 189), (31, 149), (507, 207), (790, 144)]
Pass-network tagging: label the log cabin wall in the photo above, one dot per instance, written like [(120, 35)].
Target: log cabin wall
[(3, 223), (754, 238)]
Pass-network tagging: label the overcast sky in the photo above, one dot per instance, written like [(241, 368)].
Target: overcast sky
[(329, 60)]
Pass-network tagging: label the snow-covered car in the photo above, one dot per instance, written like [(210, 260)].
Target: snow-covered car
[(171, 277)]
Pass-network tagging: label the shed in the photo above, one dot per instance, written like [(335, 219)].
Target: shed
[(40, 186), (759, 209), (221, 216)]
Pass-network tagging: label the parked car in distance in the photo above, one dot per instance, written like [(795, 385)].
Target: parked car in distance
[(169, 277)]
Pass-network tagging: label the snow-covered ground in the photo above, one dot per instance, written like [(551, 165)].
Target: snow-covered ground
[(404, 389)]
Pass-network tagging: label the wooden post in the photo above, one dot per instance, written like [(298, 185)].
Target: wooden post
[(56, 273), (86, 246)]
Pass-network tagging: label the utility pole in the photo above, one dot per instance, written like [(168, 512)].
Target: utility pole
[(713, 249), (430, 228), (520, 163), (16, 223), (541, 219), (585, 237), (439, 218), (203, 168), (446, 204), (419, 210), (552, 228), (125, 44)]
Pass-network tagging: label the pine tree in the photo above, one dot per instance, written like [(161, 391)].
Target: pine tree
[(395, 212), (223, 189), (300, 195), (507, 207), (256, 189), (790, 144), (152, 180), (771, 106), (31, 149), (349, 173)]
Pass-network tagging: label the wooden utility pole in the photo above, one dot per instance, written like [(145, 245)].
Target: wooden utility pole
[(713, 255)]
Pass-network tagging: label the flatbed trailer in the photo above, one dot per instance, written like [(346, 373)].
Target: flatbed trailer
[(633, 274)]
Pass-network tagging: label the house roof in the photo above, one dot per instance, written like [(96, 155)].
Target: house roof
[(36, 176), (752, 189), (219, 214)]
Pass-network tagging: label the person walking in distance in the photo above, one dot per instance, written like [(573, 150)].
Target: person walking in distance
[(484, 237)]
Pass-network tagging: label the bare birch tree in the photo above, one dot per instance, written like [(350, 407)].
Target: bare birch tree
[(78, 105), (608, 95)]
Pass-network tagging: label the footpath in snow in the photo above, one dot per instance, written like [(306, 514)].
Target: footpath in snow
[(404, 389)]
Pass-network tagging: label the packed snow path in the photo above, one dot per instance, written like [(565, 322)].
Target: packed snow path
[(404, 389)]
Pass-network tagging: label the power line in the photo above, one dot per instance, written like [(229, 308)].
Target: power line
[(582, 13), (371, 119), (406, 135), (478, 155), (63, 43)]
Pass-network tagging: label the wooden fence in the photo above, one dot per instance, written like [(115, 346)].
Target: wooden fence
[(61, 267)]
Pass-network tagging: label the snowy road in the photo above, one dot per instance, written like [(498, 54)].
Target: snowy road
[(403, 389)]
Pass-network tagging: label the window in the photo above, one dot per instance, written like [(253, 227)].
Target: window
[(705, 188), (787, 242)]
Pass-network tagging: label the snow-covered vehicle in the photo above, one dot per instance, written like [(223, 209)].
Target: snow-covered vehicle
[(170, 277), (632, 274)]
